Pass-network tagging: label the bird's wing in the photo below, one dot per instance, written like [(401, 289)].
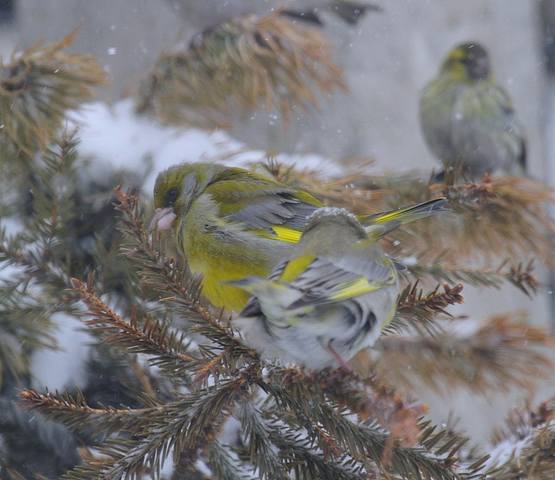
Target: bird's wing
[(485, 121), (266, 207), (379, 224), (327, 280), (253, 308)]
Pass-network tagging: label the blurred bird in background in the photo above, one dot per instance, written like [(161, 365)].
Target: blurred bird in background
[(231, 223), (468, 120)]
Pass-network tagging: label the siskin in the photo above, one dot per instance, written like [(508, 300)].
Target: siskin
[(231, 223), (468, 120), (329, 301)]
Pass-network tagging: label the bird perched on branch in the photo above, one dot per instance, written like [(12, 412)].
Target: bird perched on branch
[(468, 120), (231, 223), (326, 303)]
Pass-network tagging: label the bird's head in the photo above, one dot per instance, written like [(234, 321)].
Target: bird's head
[(329, 229), (177, 187), (468, 62)]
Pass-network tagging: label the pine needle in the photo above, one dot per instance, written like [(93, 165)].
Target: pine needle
[(244, 63), (524, 447), (38, 87), (418, 311), (501, 354)]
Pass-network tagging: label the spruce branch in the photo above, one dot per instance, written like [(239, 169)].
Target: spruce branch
[(24, 431), (418, 311), (524, 447), (37, 88), (74, 412), (152, 338), (504, 212), (520, 275), (262, 453), (504, 215), (306, 462), (46, 250), (171, 282), (504, 352), (246, 62), (365, 442), (32, 294), (368, 398), (226, 465), (189, 422), (25, 325)]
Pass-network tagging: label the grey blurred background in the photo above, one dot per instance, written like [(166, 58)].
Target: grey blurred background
[(387, 57)]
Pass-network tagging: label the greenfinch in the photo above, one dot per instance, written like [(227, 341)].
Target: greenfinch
[(328, 301), (468, 120), (232, 223)]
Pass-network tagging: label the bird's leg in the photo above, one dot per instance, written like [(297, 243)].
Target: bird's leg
[(339, 358)]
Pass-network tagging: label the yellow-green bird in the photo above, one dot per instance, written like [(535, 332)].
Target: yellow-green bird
[(232, 223), (326, 303), (468, 120)]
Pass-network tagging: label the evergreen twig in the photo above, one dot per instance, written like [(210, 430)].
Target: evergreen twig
[(520, 275), (38, 87), (247, 62), (498, 355), (418, 311), (152, 338), (524, 448)]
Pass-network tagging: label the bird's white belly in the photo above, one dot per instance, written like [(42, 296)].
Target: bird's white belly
[(306, 343)]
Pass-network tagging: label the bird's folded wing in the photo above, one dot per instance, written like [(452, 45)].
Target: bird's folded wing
[(329, 280), (379, 224), (269, 210), (486, 115)]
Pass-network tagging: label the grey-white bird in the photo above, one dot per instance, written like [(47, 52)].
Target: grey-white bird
[(329, 301)]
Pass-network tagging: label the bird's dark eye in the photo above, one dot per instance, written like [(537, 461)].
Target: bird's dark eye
[(171, 196)]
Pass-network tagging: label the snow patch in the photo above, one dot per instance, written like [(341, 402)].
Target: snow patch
[(65, 367), (116, 136)]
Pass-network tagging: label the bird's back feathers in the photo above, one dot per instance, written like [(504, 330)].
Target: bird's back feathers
[(261, 204)]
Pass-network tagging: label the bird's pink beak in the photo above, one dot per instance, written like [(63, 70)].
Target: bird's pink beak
[(162, 219)]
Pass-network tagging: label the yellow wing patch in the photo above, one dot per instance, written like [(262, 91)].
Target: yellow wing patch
[(295, 267), (356, 288), (387, 217), (286, 234)]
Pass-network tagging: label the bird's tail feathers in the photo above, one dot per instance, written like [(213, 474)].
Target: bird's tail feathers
[(380, 224)]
